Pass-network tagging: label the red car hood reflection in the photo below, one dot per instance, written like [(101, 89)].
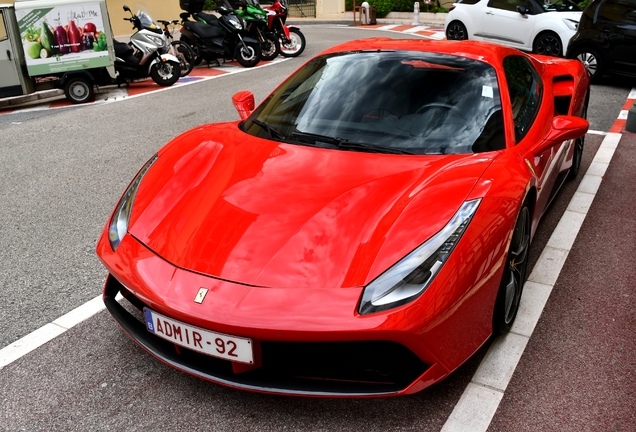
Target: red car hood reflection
[(258, 212)]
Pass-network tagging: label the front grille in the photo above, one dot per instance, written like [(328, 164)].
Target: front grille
[(357, 368)]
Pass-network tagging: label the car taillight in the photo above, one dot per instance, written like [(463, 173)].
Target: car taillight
[(451, 8)]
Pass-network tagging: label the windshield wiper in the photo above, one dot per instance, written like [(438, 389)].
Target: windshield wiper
[(273, 133), (345, 144), (375, 148)]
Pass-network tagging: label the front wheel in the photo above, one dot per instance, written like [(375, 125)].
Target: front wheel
[(165, 73), (548, 44), (248, 55), (78, 90), (514, 275), (295, 45), (270, 47), (184, 53)]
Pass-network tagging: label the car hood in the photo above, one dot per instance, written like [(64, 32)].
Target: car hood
[(576, 15), (253, 211)]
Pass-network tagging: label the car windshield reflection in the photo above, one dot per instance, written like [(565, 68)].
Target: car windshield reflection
[(389, 102)]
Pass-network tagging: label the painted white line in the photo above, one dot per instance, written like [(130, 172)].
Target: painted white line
[(595, 132), (632, 94), (44, 334), (477, 406), (386, 27), (623, 115), (415, 29)]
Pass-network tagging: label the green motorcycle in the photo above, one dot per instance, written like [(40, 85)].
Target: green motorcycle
[(256, 25)]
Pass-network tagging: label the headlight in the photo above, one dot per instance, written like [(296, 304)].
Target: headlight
[(572, 24), (159, 41), (236, 23), (118, 226), (410, 276)]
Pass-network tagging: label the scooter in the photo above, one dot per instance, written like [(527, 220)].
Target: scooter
[(292, 41), (224, 37), (146, 54)]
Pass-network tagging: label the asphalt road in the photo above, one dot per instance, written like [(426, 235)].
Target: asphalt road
[(62, 172)]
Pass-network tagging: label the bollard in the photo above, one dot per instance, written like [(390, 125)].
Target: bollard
[(416, 13), (364, 13)]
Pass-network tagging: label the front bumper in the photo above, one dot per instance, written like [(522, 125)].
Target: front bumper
[(333, 369)]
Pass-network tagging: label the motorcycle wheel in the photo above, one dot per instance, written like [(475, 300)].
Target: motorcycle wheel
[(184, 53), (270, 47), (296, 44), (165, 73), (249, 56)]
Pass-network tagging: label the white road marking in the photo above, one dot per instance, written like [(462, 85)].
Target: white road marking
[(478, 404), (623, 115), (50, 331)]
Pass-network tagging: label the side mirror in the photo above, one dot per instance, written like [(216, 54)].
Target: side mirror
[(523, 10), (244, 103), (126, 8), (563, 128)]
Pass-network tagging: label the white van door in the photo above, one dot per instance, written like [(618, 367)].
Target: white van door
[(9, 64)]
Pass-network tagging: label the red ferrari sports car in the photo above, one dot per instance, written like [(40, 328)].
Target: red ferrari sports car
[(362, 232)]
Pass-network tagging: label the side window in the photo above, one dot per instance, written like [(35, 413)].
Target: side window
[(526, 89), (3, 29), (468, 2), (619, 11), (509, 5)]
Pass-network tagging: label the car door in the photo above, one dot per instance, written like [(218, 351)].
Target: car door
[(617, 23), (503, 24)]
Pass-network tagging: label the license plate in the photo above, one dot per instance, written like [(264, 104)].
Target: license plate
[(197, 339)]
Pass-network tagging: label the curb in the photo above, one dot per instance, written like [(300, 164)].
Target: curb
[(33, 97)]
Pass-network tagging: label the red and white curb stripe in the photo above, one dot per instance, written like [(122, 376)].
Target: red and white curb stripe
[(435, 33), (479, 402)]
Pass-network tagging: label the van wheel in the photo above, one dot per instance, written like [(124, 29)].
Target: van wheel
[(79, 90)]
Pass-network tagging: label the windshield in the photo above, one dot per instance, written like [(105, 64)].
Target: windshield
[(145, 19), (559, 6), (394, 102)]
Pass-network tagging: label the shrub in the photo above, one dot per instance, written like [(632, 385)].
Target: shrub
[(382, 7), (349, 5), (209, 5), (584, 3)]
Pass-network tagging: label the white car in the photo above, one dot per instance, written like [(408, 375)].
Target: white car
[(542, 27)]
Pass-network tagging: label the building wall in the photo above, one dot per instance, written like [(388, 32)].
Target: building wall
[(163, 10), (330, 9)]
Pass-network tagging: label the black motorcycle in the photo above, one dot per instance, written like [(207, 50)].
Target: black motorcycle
[(213, 38)]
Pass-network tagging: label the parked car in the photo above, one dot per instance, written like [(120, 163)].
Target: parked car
[(529, 25), (348, 244), (606, 39)]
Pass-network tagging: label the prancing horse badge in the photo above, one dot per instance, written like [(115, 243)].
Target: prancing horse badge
[(200, 295)]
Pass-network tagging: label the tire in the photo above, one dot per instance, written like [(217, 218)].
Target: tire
[(79, 90), (270, 47), (184, 53), (165, 73), (248, 57), (296, 44), (592, 61), (514, 275), (579, 145), (548, 44), (456, 30)]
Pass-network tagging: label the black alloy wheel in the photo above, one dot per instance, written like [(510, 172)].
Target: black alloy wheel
[(270, 47), (456, 31), (514, 275), (548, 44)]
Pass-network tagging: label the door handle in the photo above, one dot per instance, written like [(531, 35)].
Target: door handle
[(489, 13), (9, 55)]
